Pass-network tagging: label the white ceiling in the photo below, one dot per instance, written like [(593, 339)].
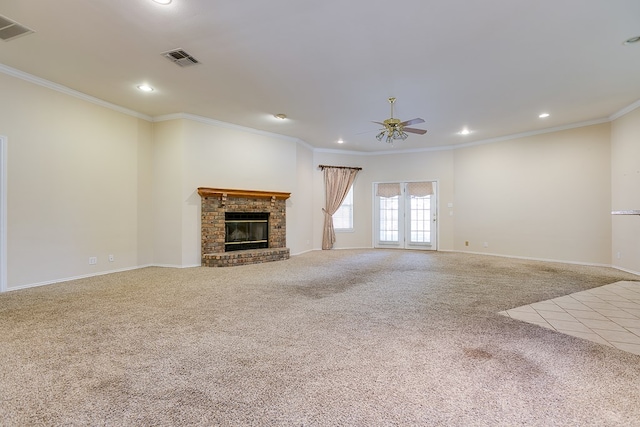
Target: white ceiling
[(490, 65)]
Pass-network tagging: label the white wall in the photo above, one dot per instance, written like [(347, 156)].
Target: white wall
[(72, 184), (191, 154), (3, 213), (168, 147), (423, 166), (85, 180), (145, 193), (545, 196), (360, 237), (625, 190), (300, 205)]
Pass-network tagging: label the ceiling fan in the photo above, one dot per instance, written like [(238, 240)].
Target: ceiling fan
[(394, 129)]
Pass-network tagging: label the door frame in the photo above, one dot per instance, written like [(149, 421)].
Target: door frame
[(374, 215)]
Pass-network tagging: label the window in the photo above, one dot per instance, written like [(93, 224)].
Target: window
[(343, 218)]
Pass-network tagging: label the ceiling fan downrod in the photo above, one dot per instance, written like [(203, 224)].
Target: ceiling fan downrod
[(392, 100)]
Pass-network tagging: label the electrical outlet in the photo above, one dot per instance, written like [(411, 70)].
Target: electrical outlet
[(466, 243), (485, 244), (618, 255), (111, 258), (93, 260)]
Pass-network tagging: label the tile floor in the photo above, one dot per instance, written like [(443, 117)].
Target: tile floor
[(608, 315)]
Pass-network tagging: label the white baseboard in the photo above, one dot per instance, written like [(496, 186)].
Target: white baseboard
[(303, 252), (637, 273), (332, 249), (536, 259), (350, 249), (175, 265), (102, 273), (68, 279)]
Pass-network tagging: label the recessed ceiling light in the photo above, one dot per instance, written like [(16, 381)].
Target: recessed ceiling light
[(280, 116), (145, 88), (544, 115), (340, 141), (632, 40), (162, 1), (464, 131)]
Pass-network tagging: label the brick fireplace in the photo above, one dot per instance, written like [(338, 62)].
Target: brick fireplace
[(217, 202)]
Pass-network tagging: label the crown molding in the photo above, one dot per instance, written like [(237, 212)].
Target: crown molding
[(468, 144), (625, 110), (382, 153), (616, 115), (532, 133), (214, 122), (306, 145), (71, 92), (338, 151)]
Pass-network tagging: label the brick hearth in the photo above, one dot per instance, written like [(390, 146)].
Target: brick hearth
[(216, 202)]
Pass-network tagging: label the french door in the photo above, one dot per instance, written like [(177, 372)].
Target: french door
[(405, 215)]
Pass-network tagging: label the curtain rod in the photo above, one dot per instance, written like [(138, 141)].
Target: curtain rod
[(339, 167)]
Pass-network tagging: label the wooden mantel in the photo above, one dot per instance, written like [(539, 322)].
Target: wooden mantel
[(216, 192)]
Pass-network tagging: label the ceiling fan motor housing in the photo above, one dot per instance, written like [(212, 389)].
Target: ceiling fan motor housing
[(392, 124)]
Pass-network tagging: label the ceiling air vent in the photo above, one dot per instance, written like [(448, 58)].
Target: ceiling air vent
[(10, 30), (180, 57)]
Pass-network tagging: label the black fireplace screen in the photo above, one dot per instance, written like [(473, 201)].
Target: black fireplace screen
[(246, 230)]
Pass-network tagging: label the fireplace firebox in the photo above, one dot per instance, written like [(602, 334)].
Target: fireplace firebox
[(246, 230)]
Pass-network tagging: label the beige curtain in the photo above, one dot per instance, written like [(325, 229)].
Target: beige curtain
[(337, 182), (388, 189), (420, 189)]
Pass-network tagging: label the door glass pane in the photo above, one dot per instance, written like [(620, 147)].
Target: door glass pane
[(389, 219), (420, 214)]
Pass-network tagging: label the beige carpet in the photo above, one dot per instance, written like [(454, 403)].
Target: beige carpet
[(326, 338)]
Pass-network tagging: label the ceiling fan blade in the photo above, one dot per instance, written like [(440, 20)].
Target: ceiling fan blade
[(380, 123), (412, 130), (412, 122)]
